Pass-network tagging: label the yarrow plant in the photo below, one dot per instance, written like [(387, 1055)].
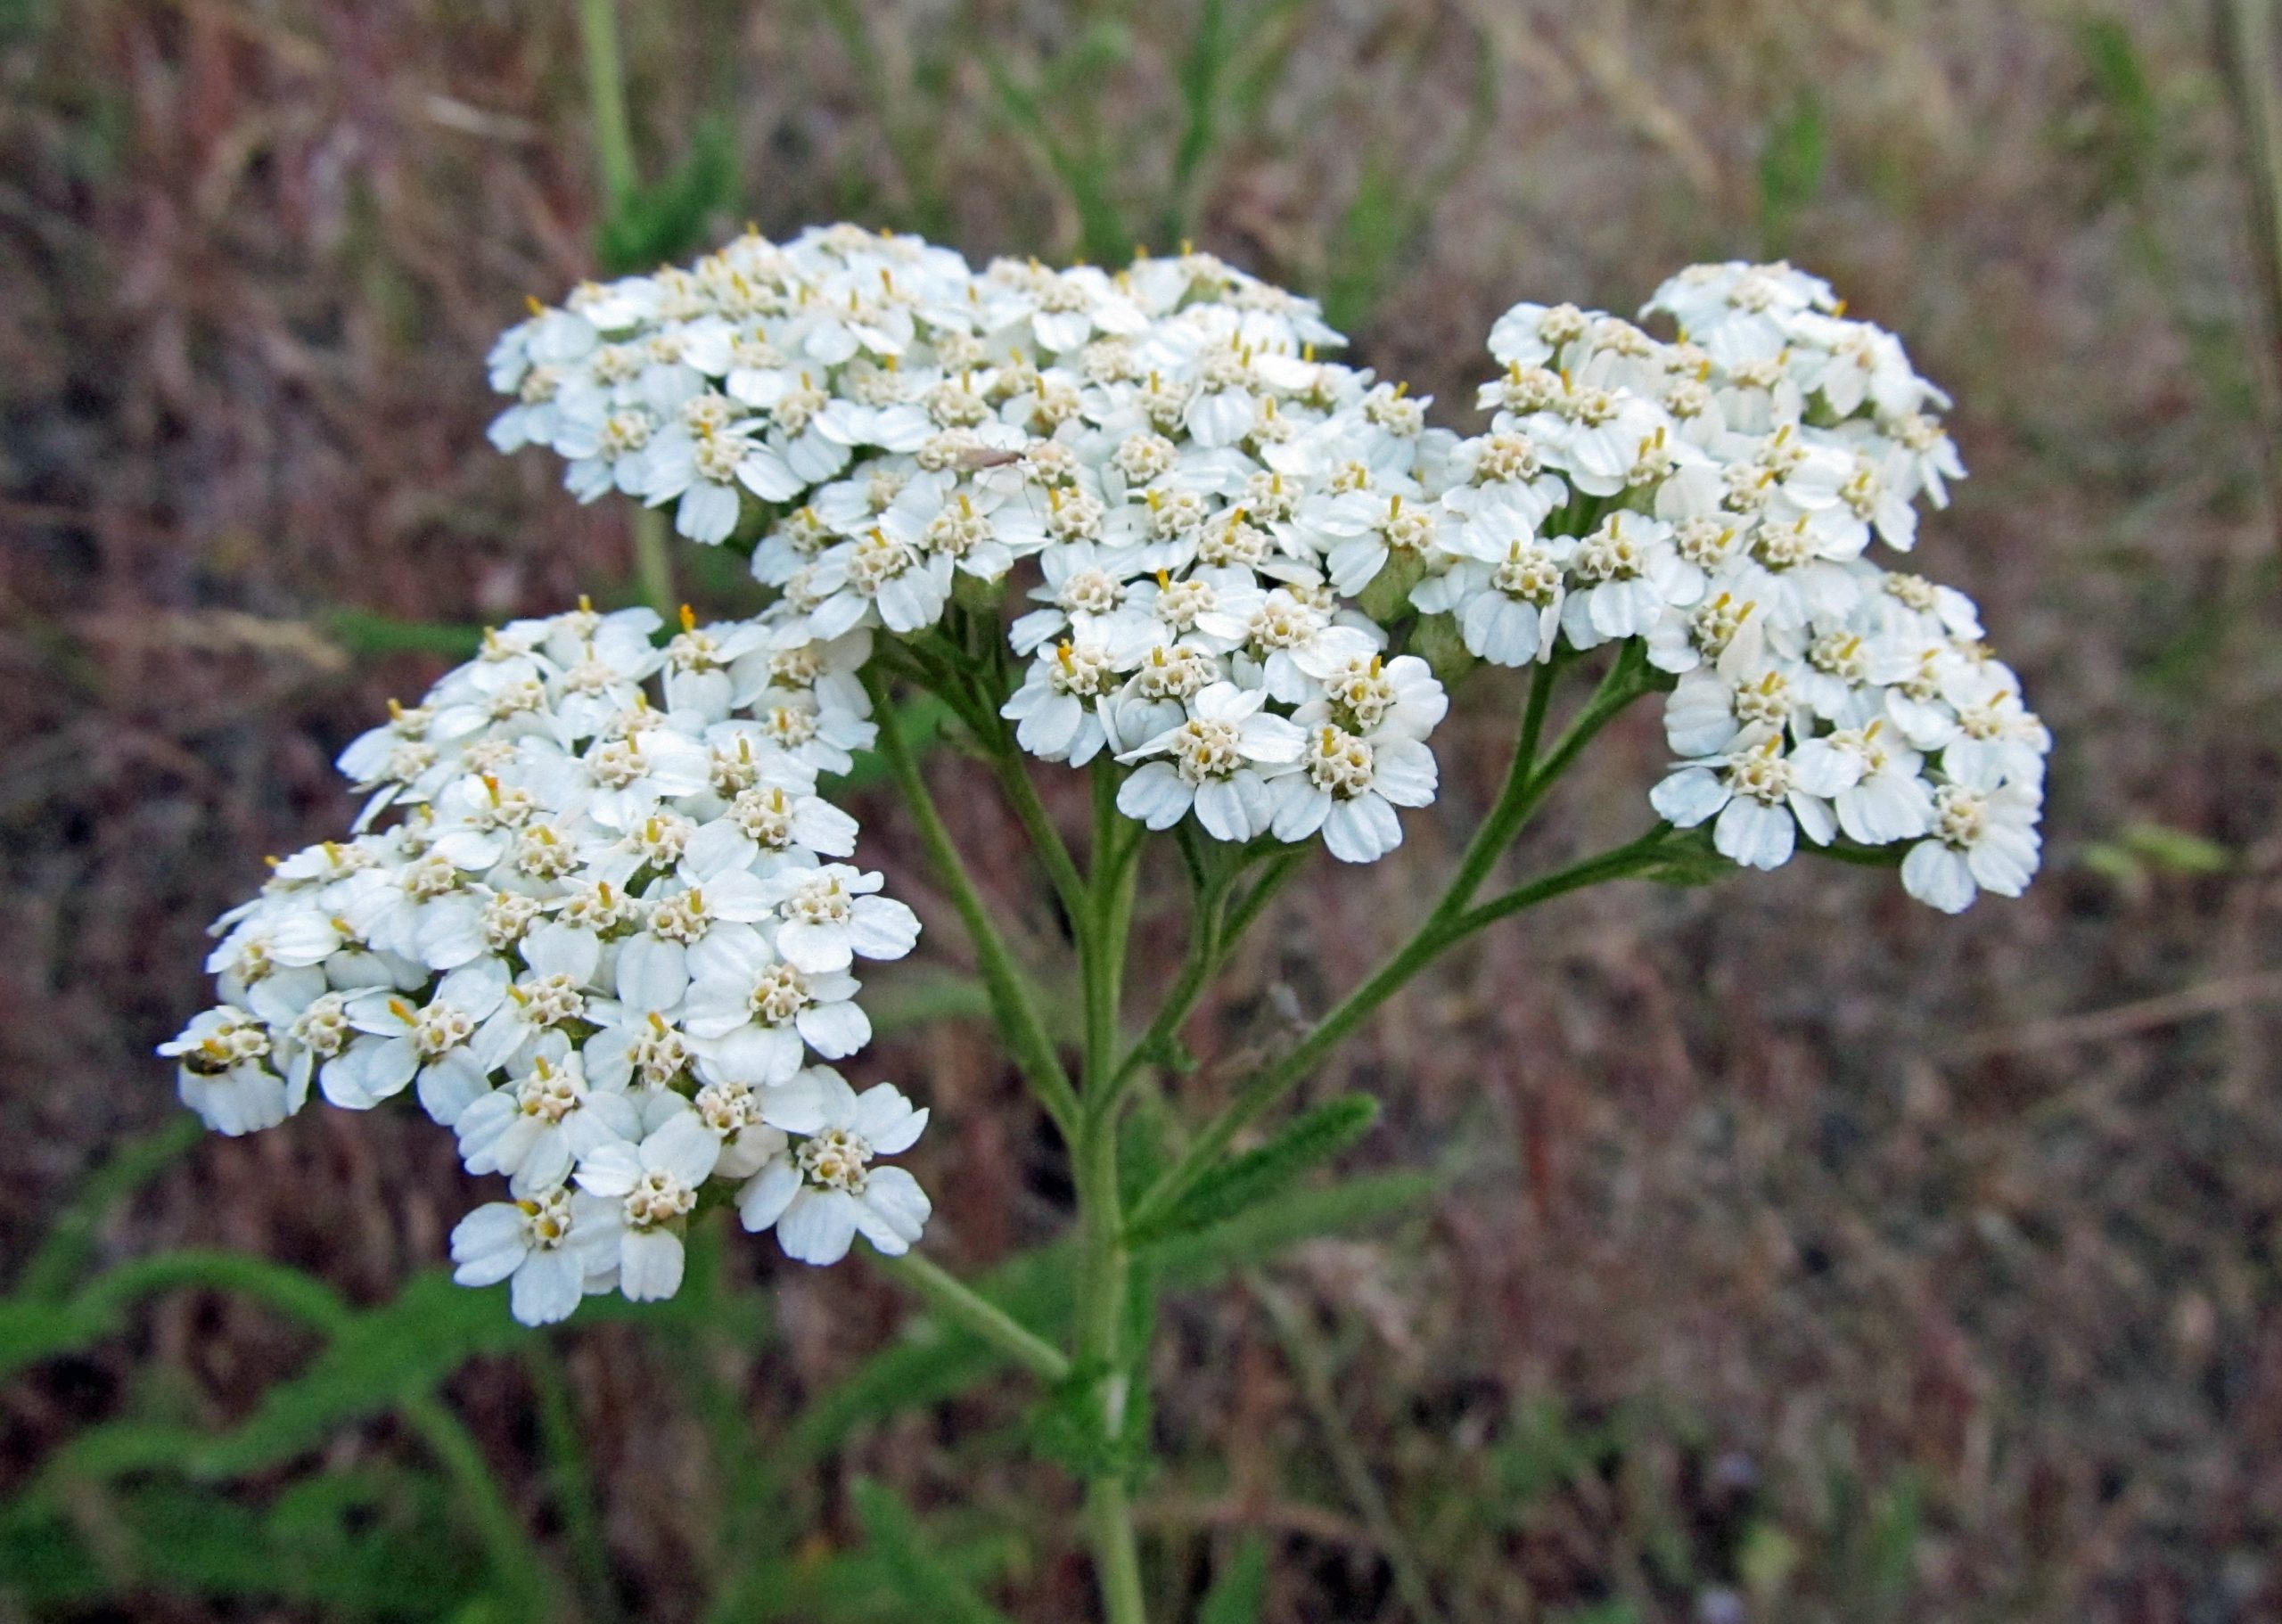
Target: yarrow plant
[(598, 924)]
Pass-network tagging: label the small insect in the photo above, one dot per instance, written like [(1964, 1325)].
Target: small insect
[(206, 1059), (976, 458)]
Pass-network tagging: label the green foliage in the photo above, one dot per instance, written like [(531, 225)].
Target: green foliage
[(1239, 1593), (1252, 1237), (671, 219), (1615, 1611), (918, 1575), (1769, 1556), (2142, 851), (1889, 1556), (1393, 204), (1687, 857), (1072, 1425), (1060, 95), (1545, 1449), (362, 631), (64, 1255), (1245, 1181), (381, 1359), (367, 1543), (1791, 160), (2123, 133)]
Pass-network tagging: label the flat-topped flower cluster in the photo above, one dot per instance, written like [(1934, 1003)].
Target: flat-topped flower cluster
[(1242, 551), (605, 937), (1716, 499), (597, 920), (1203, 498)]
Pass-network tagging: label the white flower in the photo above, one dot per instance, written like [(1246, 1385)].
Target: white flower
[(708, 911), (754, 1010), (700, 468), (1872, 779), (876, 573), (982, 529), (647, 1192), (831, 914), (1622, 576), (1998, 739), (558, 984), (1506, 588), (822, 1191), (703, 663), (537, 1127), (559, 969), (399, 1040), (1754, 791), (1982, 840), (1056, 707), (537, 1245), (1085, 593), (1368, 693), (1348, 786), (1216, 755), (223, 1075)]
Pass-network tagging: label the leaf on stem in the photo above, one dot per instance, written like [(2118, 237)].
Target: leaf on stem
[(920, 1577), (1239, 1593), (1256, 1176)]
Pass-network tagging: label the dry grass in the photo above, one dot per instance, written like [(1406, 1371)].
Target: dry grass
[(1803, 1253)]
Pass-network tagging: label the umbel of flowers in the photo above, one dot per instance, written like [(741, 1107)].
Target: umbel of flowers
[(1239, 545), (595, 918), (606, 940)]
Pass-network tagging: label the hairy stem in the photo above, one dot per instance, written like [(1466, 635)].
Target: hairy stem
[(1450, 921), (571, 1479), (1011, 1001), (654, 563), (1214, 931), (1105, 1265), (1432, 938), (606, 98), (1529, 779), (514, 1562), (971, 1311)]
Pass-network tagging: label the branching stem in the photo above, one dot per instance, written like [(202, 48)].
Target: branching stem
[(1011, 1000)]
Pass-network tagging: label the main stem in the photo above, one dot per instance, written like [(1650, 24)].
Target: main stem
[(1010, 994), (606, 99), (1105, 1265), (1452, 920)]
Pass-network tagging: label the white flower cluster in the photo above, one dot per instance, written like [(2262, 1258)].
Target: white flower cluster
[(1237, 542), (603, 944), (1204, 499), (1714, 497)]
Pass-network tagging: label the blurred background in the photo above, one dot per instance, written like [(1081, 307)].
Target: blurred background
[(1771, 1250)]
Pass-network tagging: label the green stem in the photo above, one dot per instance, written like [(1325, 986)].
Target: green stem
[(1434, 937), (513, 1562), (571, 1478), (1529, 780), (1214, 932), (1104, 1267), (1110, 1516), (1619, 863), (653, 563), (1021, 794), (962, 1305), (1105, 1264), (606, 98), (1010, 994)]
